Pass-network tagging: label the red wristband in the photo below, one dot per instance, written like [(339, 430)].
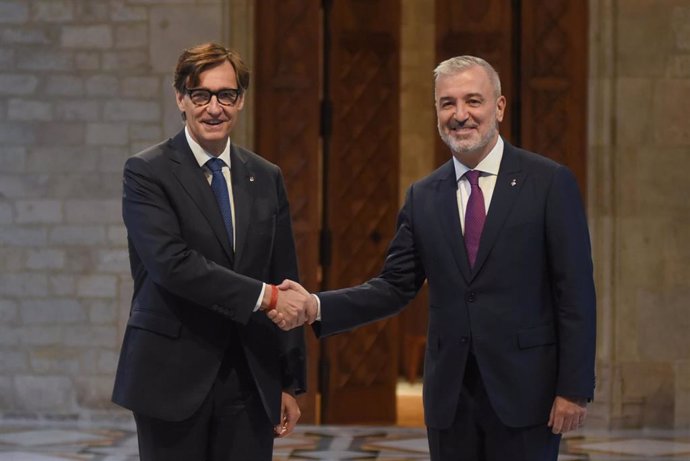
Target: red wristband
[(274, 298)]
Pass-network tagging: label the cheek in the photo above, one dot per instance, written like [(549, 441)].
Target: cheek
[(443, 117), (194, 115)]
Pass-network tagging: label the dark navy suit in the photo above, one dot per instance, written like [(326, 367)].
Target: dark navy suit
[(527, 308), (193, 300)]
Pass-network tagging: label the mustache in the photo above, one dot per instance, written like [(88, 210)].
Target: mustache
[(454, 124)]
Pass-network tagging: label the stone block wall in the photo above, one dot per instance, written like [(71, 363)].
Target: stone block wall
[(83, 85), (640, 213)]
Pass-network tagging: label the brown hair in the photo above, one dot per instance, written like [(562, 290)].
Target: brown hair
[(193, 61)]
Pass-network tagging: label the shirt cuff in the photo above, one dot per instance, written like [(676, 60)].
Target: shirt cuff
[(318, 307), (261, 297)]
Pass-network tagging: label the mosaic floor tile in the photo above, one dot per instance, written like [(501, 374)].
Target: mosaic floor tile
[(645, 447), (48, 437), (330, 442)]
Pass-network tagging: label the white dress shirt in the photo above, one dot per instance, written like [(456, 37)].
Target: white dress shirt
[(488, 168)]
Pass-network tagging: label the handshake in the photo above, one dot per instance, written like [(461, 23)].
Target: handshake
[(289, 305)]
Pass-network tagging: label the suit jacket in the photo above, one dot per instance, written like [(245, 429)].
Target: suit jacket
[(193, 298), (526, 309)]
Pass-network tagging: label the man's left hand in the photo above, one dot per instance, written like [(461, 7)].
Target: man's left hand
[(289, 414), (567, 414)]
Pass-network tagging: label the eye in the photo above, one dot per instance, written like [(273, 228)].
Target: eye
[(474, 102), (199, 96), (229, 96)]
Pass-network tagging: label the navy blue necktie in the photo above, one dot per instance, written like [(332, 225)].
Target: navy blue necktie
[(220, 190)]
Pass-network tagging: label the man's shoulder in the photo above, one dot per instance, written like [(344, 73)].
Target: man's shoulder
[(163, 149), (529, 159), (155, 151), (442, 173), (252, 159), (155, 157)]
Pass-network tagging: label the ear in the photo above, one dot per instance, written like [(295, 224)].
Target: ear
[(179, 98), (500, 108), (240, 102)]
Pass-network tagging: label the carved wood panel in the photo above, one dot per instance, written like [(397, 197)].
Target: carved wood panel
[(362, 196), (484, 29), (287, 92), (554, 76), (539, 49)]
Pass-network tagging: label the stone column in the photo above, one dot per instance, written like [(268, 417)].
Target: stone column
[(639, 138)]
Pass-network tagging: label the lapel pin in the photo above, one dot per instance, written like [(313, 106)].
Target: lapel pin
[(251, 179), (513, 182)]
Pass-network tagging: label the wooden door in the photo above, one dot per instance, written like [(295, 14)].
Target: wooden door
[(539, 48), (327, 85), (485, 29), (360, 368), (287, 95), (553, 90)]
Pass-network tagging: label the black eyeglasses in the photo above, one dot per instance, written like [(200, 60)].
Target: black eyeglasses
[(202, 96)]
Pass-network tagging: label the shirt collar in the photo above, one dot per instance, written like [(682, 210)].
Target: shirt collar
[(201, 155), (489, 165)]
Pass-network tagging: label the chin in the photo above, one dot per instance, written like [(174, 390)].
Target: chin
[(215, 135)]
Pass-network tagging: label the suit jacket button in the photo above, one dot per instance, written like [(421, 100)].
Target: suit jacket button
[(464, 340), (471, 297)]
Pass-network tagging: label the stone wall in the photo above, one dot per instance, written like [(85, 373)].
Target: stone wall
[(83, 85), (639, 137)]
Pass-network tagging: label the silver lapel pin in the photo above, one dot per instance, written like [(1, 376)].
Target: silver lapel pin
[(513, 182), (251, 179)]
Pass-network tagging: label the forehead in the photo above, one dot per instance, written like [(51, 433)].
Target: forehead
[(474, 80), (219, 76)]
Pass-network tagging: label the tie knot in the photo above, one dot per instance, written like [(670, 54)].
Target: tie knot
[(473, 177), (215, 164)]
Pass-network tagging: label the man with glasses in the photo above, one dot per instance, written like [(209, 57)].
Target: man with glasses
[(207, 375)]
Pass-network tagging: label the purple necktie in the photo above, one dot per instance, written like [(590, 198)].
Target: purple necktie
[(475, 215)]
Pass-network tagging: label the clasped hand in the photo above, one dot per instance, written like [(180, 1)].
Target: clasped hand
[(295, 306)]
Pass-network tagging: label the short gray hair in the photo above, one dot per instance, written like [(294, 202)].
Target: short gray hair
[(462, 63)]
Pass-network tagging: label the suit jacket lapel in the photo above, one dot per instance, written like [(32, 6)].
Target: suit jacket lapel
[(192, 180), (508, 184), (243, 183), (450, 218)]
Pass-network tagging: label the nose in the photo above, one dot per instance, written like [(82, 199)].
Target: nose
[(460, 113), (213, 106)]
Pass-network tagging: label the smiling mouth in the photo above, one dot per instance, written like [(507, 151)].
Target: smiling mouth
[(213, 122), (462, 129)]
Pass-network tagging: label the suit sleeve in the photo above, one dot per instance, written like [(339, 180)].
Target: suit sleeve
[(571, 272), (284, 266), (153, 230), (399, 281)]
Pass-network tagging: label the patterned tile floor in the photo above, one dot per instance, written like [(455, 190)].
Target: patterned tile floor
[(63, 442)]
